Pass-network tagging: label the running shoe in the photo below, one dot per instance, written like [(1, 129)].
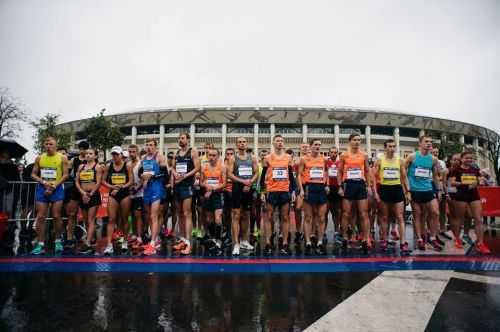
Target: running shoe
[(446, 236), (58, 247), (187, 250), (468, 239), (441, 243), (69, 245), (314, 240), (236, 249), (298, 237), (459, 244), (149, 250), (482, 249), (383, 245), (403, 247), (227, 242), (124, 246), (344, 244), (308, 250), (338, 238), (158, 244), (86, 249), (117, 235), (421, 244), (170, 233), (246, 246), (321, 249), (285, 250), (268, 250), (38, 250), (180, 245), (394, 235), (435, 244), (137, 244), (131, 238), (364, 246), (257, 233), (109, 250)]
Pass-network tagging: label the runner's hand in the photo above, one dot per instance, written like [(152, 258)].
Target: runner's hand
[(263, 198), (341, 192), (294, 196), (408, 196)]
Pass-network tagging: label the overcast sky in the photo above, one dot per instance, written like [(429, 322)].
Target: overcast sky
[(435, 58)]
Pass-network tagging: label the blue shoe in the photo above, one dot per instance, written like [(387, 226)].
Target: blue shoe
[(39, 249), (59, 247)]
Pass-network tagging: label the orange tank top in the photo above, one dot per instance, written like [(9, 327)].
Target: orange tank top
[(314, 170), (277, 179), (354, 166), (213, 176)]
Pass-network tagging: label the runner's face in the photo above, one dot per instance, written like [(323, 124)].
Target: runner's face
[(50, 145), (89, 155), (83, 152), (304, 148), (242, 144), (183, 141), (278, 143), (426, 144), (212, 156), (333, 154), (455, 160), (229, 154), (391, 148), (355, 142), (467, 159), (150, 147), (116, 157), (132, 153), (435, 152), (263, 156), (316, 146)]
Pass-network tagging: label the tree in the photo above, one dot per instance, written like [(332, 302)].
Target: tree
[(46, 126), (12, 113), (493, 151), (448, 148), (101, 133)]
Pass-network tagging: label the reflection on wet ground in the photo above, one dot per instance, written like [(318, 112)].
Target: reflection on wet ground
[(170, 302)]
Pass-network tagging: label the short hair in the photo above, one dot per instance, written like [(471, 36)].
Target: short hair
[(133, 146), (333, 147), (289, 151), (311, 142), (152, 140), (229, 149), (466, 152), (62, 148), (50, 138), (185, 134), (277, 136), (354, 134), (249, 150), (237, 139), (390, 140), (264, 151), (424, 136), (96, 152), (215, 149), (83, 145)]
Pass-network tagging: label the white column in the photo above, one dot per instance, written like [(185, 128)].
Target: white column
[(160, 140), (336, 130), (422, 133), (396, 139), (461, 139), (475, 146), (304, 133), (272, 130), (368, 137), (192, 132), (256, 139), (224, 133), (134, 135)]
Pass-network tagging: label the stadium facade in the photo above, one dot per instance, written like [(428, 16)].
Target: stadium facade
[(222, 125)]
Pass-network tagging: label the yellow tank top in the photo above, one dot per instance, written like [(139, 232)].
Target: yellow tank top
[(51, 167), (390, 173)]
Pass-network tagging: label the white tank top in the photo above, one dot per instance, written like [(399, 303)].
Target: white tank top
[(137, 181)]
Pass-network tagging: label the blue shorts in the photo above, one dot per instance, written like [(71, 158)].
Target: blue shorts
[(315, 194), (278, 198), (154, 191), (182, 192), (214, 202), (56, 196)]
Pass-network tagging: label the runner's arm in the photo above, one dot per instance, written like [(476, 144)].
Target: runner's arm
[(35, 171), (300, 185), (98, 179), (77, 180), (64, 171)]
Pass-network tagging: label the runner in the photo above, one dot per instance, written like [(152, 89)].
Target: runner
[(170, 201), (186, 165), (257, 203), (334, 200), (50, 171), (391, 195), (355, 182), (466, 179), (228, 198), (442, 203), (118, 178), (313, 187), (299, 202), (87, 181), (278, 181), (423, 169), (243, 171), (199, 217), (136, 197), (213, 180), (451, 191)]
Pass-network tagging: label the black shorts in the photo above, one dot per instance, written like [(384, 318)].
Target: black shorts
[(95, 200), (422, 196), (333, 194), (241, 199), (137, 203), (214, 202), (315, 194), (355, 190), (391, 193), (120, 195), (467, 196), (453, 196), (278, 198)]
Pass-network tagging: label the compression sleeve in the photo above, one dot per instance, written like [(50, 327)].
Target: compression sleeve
[(291, 179), (262, 183)]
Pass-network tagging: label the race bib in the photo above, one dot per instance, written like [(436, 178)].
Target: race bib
[(148, 167), (280, 174), (213, 181), (48, 174), (422, 172), (316, 173), (245, 171), (468, 179), (87, 175), (391, 173), (354, 174), (181, 168), (118, 178), (332, 172)]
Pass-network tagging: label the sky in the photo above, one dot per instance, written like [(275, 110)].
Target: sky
[(435, 58)]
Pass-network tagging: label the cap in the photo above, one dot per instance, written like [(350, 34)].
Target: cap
[(125, 153), (116, 149)]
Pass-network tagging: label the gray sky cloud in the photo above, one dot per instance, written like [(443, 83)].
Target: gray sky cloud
[(435, 58)]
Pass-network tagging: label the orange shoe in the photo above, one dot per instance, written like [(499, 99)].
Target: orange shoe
[(186, 250), (149, 250), (483, 249), (180, 245), (458, 244)]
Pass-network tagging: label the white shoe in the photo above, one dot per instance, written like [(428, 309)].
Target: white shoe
[(109, 250), (124, 246), (236, 250), (246, 246)]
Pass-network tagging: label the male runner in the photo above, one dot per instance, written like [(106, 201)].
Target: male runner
[(334, 200), (136, 196)]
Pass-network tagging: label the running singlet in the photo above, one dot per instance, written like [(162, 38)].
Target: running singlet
[(354, 166), (333, 167), (137, 181), (119, 177), (420, 173), (314, 169), (87, 175), (183, 165), (466, 177), (213, 176), (243, 168), (51, 167), (150, 165), (277, 179), (390, 171)]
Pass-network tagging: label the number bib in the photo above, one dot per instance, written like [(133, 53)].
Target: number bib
[(354, 174), (332, 172), (213, 181), (118, 178), (48, 174), (391, 173), (468, 179), (148, 167), (280, 174), (316, 173), (181, 168), (245, 171), (87, 175), (422, 172)]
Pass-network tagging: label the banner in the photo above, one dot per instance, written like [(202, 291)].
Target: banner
[(490, 198), (102, 211)]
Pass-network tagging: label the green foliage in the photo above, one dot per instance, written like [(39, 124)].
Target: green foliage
[(45, 127), (448, 148), (101, 133)]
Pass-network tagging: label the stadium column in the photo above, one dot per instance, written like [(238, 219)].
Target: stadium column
[(337, 136), (421, 133), (161, 138), (304, 133), (461, 139), (475, 146), (192, 132), (272, 130), (134, 135), (256, 138), (224, 132), (396, 139), (368, 137)]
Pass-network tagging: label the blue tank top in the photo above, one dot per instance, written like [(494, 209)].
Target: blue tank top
[(150, 166), (420, 174)]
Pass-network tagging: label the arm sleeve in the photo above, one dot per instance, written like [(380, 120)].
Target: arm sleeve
[(262, 182), (293, 184)]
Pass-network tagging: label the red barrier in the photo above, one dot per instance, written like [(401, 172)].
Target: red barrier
[(490, 198)]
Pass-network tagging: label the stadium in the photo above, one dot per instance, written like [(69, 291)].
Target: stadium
[(221, 125)]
